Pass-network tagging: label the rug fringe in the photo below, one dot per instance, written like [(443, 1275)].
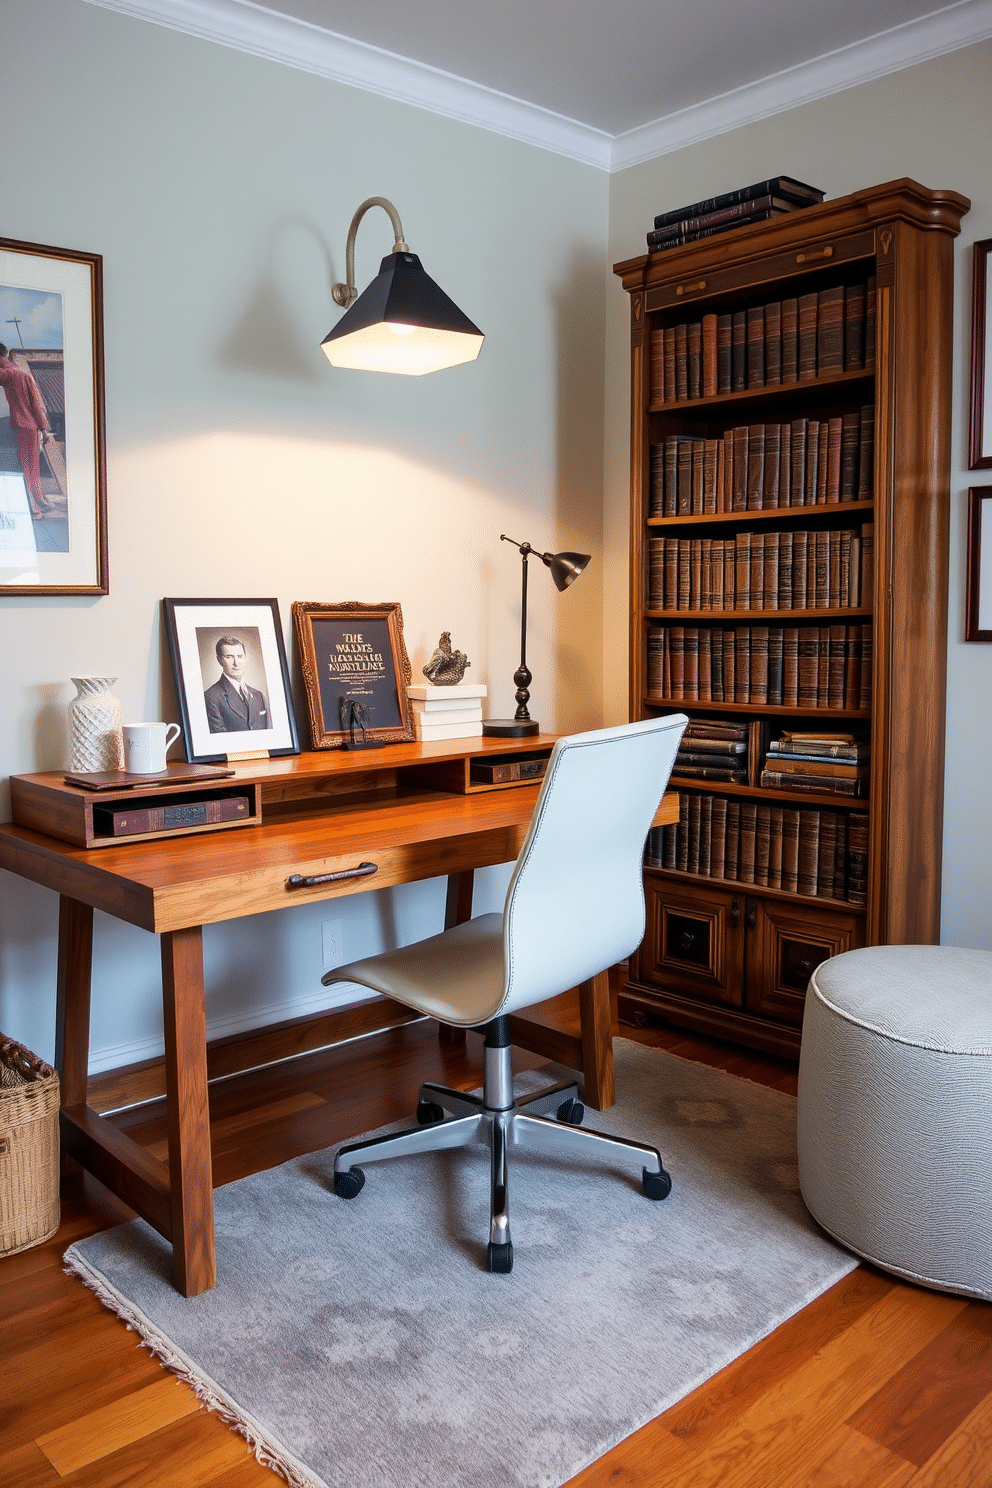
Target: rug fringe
[(267, 1451)]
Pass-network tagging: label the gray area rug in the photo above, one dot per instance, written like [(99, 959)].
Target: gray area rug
[(361, 1344)]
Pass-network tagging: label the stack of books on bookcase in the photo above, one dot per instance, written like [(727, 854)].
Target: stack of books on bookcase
[(818, 853), (768, 570), (824, 332), (755, 203), (805, 666), (760, 467), (835, 764), (713, 751)]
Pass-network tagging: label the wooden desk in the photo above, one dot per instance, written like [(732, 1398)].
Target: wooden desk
[(412, 810)]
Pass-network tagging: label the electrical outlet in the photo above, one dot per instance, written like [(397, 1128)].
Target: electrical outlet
[(332, 938)]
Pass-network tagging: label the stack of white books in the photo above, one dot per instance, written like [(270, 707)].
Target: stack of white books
[(453, 712)]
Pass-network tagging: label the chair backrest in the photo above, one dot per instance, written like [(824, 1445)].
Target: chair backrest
[(575, 904)]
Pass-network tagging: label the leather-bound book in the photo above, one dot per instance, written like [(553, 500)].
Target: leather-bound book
[(756, 577), (871, 300), (852, 666), (677, 649), (797, 193), (866, 454), (724, 341), (740, 468), (738, 352), (694, 342), (710, 377), (790, 340), (809, 851), (773, 461), (669, 845), (798, 492), (830, 330), (729, 665), (854, 327), (716, 666), (785, 465), (742, 648), (671, 573), (773, 344), (807, 336), (822, 560), (685, 573), (809, 659), (671, 476), (721, 475), (729, 574), (850, 437), (823, 666), (812, 461), (693, 866), (762, 845), (716, 573), (742, 583), (800, 553), (705, 834), (857, 858), (769, 584), (790, 850), (834, 544), (683, 504), (718, 836), (834, 441), (776, 663), (698, 477), (681, 362), (669, 364), (756, 346), (656, 480), (695, 573), (867, 562), (728, 470), (854, 575), (755, 466), (827, 855), (785, 598), (840, 857), (682, 848), (775, 814), (748, 832), (842, 593), (691, 683), (758, 681), (837, 666), (657, 650), (821, 469), (657, 355), (864, 700), (731, 857), (653, 848), (705, 653), (710, 462), (656, 573), (706, 574)]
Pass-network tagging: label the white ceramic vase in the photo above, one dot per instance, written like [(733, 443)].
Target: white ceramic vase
[(95, 722)]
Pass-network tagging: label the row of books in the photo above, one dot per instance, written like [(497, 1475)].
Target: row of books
[(838, 764), (763, 570), (787, 341), (754, 203), (819, 853), (808, 666), (754, 467), (714, 751)]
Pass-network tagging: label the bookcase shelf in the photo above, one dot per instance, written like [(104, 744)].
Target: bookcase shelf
[(723, 955)]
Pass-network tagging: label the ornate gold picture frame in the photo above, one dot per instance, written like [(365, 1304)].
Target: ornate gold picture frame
[(356, 673)]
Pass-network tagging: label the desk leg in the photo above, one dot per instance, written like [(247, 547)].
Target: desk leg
[(457, 909), (597, 1041), (193, 1264), (72, 1015)]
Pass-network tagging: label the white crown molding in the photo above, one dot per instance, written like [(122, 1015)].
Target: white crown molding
[(250, 27), (960, 25)]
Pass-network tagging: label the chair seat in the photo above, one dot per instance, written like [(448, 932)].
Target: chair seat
[(456, 976)]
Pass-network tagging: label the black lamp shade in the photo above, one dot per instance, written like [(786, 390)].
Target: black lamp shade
[(403, 322), (565, 567)]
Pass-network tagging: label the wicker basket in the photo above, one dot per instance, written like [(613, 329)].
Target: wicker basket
[(29, 1149)]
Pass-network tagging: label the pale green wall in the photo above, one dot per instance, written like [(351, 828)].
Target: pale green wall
[(219, 188), (933, 123)]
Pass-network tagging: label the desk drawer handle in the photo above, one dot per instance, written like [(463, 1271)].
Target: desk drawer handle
[(301, 881)]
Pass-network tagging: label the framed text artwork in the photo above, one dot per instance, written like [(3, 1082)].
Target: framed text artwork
[(978, 621), (232, 680), (53, 503), (356, 672), (980, 445)]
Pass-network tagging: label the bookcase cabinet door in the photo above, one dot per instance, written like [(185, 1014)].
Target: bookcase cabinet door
[(694, 941), (784, 946)]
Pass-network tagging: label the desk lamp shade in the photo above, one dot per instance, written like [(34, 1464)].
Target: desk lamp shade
[(403, 322)]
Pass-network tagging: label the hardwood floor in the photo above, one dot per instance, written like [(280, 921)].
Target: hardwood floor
[(877, 1383)]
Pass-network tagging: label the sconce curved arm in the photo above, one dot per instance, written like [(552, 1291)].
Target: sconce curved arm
[(346, 294)]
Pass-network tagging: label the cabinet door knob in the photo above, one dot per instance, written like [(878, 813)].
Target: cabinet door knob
[(752, 914), (687, 940), (735, 914)]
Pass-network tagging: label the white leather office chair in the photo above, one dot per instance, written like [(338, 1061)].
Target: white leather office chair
[(574, 907)]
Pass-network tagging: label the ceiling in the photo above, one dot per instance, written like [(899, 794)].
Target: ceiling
[(611, 81)]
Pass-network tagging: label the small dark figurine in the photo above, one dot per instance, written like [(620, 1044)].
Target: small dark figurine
[(446, 667)]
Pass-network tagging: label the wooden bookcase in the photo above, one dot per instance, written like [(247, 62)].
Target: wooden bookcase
[(720, 954)]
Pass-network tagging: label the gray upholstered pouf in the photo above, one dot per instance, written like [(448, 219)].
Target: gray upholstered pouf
[(895, 1110)]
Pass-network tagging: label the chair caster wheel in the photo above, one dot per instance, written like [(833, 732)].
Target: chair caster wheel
[(571, 1112), (429, 1113), (657, 1185), (349, 1184), (499, 1258)]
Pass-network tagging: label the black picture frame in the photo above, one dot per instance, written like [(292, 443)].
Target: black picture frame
[(53, 506), (226, 716), (980, 441), (356, 671), (978, 602)]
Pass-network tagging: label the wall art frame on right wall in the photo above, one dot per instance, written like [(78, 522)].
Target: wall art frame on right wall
[(980, 442), (978, 613)]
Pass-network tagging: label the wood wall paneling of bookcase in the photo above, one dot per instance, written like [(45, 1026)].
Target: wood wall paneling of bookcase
[(723, 954)]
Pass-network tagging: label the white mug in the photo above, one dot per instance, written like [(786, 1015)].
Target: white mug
[(145, 745)]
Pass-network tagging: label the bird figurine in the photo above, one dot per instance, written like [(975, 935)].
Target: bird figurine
[(446, 667)]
